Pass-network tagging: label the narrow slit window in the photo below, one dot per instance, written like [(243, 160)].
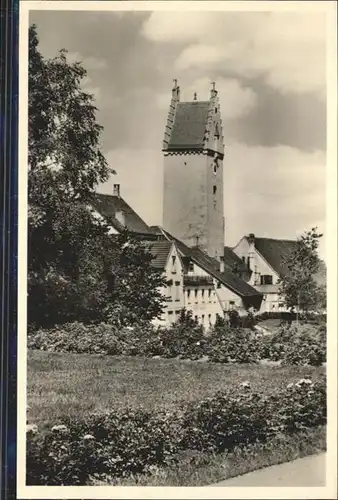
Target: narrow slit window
[(214, 189)]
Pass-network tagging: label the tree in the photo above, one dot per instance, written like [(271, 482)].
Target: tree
[(76, 270), (298, 287), (186, 319), (137, 284)]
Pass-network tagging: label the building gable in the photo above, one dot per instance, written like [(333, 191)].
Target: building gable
[(117, 213)]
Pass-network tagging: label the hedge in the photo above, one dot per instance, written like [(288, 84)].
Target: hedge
[(120, 443), (220, 345)]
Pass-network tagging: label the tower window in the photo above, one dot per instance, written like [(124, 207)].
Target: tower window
[(215, 110), (214, 189)]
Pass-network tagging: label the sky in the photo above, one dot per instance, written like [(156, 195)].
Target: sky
[(269, 69)]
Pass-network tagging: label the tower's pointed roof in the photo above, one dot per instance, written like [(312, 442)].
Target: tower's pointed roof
[(189, 126), (190, 123)]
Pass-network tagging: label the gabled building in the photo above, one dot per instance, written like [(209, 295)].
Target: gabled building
[(209, 287), (167, 260), (116, 212), (264, 259)]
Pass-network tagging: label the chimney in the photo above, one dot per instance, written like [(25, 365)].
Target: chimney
[(251, 238), (116, 190), (221, 264)]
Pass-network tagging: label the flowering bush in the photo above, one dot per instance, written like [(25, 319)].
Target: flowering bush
[(222, 344), (120, 443)]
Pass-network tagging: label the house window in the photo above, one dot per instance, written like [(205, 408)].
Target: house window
[(202, 291), (196, 318), (196, 293), (266, 279), (188, 293), (214, 189), (209, 319), (191, 267), (243, 259), (174, 259), (219, 284), (170, 312), (209, 293), (202, 318)]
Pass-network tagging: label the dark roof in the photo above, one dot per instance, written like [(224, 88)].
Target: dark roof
[(233, 261), (182, 247), (189, 125), (109, 205), (160, 251), (275, 252), (211, 266), (227, 278)]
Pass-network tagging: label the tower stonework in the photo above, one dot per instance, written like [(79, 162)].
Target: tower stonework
[(193, 149)]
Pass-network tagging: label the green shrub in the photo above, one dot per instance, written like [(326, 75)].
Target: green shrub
[(120, 443), (232, 345), (222, 344)]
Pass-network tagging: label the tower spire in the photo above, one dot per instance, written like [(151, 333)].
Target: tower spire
[(176, 90), (213, 90)]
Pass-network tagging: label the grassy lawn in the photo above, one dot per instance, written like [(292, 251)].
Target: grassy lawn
[(273, 325), (62, 384)]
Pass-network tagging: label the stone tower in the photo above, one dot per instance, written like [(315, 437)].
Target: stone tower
[(193, 150)]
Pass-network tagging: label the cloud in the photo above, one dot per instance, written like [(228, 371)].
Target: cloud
[(274, 192), (236, 100), (286, 49), (140, 175), (89, 63)]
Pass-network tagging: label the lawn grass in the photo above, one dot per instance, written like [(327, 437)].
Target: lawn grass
[(75, 385), (273, 326)]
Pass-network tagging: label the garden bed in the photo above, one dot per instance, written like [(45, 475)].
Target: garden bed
[(126, 442), (66, 384)]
